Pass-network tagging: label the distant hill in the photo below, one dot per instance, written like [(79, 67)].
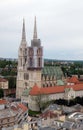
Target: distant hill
[(56, 60), (46, 60)]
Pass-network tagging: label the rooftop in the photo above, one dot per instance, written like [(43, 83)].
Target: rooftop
[(52, 71), (3, 101), (73, 79), (55, 89)]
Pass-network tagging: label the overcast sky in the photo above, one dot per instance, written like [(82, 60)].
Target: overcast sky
[(59, 26)]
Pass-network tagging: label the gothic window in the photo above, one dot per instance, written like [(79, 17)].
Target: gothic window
[(39, 52), (49, 78), (47, 85), (25, 59), (45, 78), (21, 61), (39, 62), (31, 62), (25, 51), (26, 76), (31, 52), (43, 85), (54, 84), (50, 84)]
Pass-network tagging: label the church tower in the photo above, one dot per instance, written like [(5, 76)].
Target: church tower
[(30, 62), (35, 51), (35, 59), (22, 61)]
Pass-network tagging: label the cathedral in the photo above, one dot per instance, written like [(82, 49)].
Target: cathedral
[(31, 69)]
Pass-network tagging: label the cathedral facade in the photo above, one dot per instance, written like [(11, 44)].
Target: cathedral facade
[(31, 69)]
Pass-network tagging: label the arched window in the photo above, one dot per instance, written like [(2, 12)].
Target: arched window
[(47, 85), (39, 62), (43, 85), (21, 61), (31, 62), (50, 84), (26, 76)]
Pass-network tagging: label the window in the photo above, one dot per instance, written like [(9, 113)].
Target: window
[(26, 76), (21, 61), (39, 62), (31, 62), (25, 51), (25, 59)]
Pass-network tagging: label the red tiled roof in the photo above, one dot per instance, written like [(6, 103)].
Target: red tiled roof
[(47, 90), (73, 79), (35, 90), (48, 114), (24, 108), (3, 102), (56, 89), (76, 87)]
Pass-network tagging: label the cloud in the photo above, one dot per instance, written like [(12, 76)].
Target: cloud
[(59, 23)]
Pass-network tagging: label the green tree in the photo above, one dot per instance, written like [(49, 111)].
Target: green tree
[(1, 93), (12, 82), (41, 100)]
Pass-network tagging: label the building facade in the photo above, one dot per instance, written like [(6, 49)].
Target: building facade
[(12, 114), (31, 69)]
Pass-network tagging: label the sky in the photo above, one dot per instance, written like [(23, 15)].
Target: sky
[(59, 26)]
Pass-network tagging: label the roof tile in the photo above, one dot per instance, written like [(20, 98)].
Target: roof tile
[(55, 89)]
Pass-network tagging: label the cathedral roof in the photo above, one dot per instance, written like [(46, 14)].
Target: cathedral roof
[(47, 90), (2, 101), (73, 79), (56, 89), (52, 71), (35, 90)]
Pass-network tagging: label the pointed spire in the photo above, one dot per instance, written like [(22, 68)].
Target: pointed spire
[(35, 30), (23, 31)]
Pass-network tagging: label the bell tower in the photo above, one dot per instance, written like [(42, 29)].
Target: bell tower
[(35, 59), (35, 51), (22, 61), (30, 62)]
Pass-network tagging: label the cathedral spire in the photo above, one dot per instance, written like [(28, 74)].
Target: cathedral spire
[(23, 31), (35, 29)]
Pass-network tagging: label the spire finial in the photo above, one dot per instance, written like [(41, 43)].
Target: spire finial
[(35, 30), (23, 31)]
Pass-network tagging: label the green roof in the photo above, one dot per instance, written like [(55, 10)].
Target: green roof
[(52, 71)]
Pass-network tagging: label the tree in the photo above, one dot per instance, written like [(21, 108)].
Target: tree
[(12, 82), (1, 93), (41, 100)]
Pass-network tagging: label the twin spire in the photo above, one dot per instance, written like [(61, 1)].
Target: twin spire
[(23, 31), (35, 30), (34, 33)]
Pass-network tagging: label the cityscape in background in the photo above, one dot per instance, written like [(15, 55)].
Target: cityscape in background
[(38, 93), (41, 65)]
